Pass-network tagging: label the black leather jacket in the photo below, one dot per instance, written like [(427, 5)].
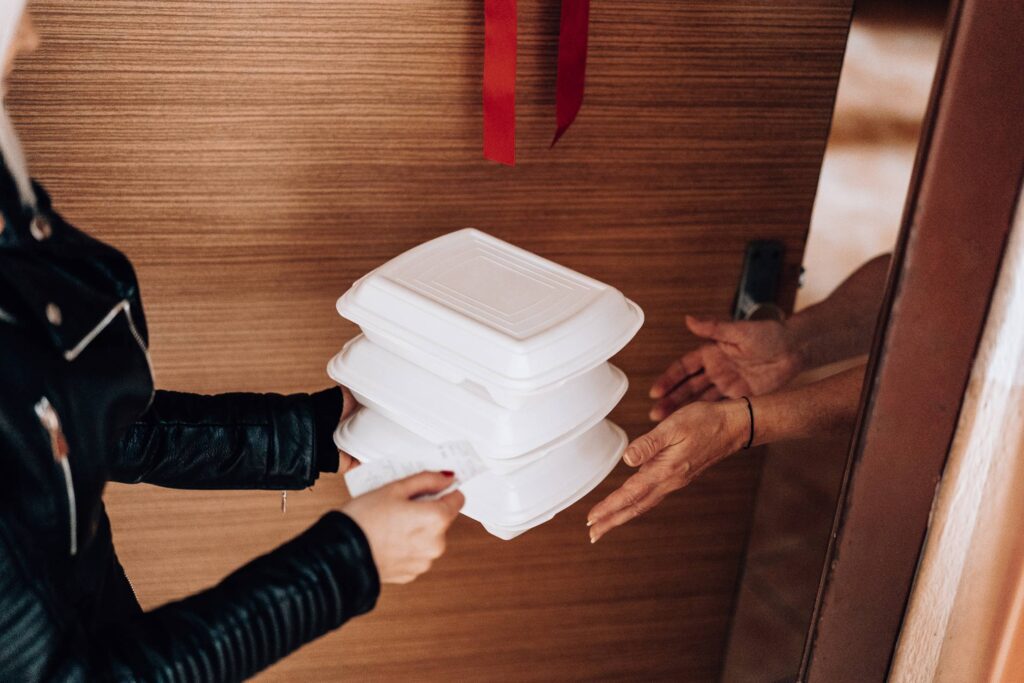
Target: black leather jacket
[(78, 409)]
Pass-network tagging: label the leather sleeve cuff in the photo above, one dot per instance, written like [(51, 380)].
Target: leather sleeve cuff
[(354, 566), (326, 407)]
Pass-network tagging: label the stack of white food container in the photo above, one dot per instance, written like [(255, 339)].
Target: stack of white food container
[(469, 338)]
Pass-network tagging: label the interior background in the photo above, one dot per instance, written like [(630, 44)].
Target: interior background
[(253, 159)]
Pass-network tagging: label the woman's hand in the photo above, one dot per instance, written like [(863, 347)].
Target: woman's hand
[(406, 535), (348, 406), (348, 403), (744, 358), (670, 456)]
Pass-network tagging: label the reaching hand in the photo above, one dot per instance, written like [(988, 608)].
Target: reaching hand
[(744, 358), (406, 535), (670, 456)]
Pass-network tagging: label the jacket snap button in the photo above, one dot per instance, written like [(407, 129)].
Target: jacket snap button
[(40, 228), (53, 314)]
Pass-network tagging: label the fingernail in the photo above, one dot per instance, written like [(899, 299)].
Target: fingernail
[(590, 523), (448, 473), (628, 460), (593, 539), (654, 415)]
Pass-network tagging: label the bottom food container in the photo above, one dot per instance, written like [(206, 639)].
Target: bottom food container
[(438, 410), (507, 504)]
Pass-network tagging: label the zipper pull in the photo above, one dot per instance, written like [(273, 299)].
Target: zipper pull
[(51, 423), (59, 446)]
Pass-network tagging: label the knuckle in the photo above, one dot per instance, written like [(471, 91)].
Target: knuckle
[(646, 446), (645, 505), (633, 495), (630, 499)]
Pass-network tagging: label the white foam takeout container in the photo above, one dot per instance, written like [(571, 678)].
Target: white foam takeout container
[(438, 410), (506, 504), (468, 306)]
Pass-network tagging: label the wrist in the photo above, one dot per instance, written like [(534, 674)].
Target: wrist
[(735, 423), (799, 330), (326, 409)]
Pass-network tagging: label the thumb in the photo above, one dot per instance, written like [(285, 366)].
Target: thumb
[(719, 330), (422, 484), (452, 503), (645, 447)]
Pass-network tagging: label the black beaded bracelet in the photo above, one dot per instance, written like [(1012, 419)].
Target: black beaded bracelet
[(750, 410)]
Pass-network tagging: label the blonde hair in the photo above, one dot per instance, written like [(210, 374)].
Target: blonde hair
[(10, 146)]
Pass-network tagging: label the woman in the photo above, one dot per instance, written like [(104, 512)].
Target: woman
[(78, 408)]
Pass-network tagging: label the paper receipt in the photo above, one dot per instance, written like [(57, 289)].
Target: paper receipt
[(453, 456)]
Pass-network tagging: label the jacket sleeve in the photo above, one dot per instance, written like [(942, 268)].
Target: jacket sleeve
[(231, 441), (257, 615)]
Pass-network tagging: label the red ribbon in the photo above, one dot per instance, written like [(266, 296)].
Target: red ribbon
[(500, 74), (500, 81), (572, 63)]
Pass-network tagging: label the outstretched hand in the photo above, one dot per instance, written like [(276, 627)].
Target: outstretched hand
[(743, 358), (669, 457)]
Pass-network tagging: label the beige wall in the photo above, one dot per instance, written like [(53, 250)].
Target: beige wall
[(964, 620)]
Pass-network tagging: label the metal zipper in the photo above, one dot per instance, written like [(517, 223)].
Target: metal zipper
[(72, 354), (59, 445), (125, 306), (145, 352), (51, 421)]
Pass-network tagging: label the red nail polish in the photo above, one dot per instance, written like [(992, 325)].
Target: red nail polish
[(448, 473)]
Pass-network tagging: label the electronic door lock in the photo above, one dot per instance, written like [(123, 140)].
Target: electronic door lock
[(757, 295)]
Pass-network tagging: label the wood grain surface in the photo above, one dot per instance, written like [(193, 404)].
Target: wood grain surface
[(254, 158)]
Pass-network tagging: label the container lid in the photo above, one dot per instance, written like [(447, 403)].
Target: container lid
[(493, 312), (441, 411), (512, 502)]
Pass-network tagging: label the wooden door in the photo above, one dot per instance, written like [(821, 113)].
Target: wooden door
[(959, 213), (254, 158)]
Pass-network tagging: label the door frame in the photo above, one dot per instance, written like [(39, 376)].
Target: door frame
[(956, 220)]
